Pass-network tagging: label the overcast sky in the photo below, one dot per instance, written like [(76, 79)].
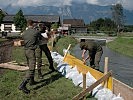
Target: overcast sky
[(127, 4)]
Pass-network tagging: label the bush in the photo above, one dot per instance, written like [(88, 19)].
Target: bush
[(64, 43)]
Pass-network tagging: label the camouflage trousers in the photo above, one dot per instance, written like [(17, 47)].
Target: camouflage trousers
[(43, 48), (95, 59), (31, 62)]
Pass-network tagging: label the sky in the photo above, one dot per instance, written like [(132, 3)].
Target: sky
[(127, 4)]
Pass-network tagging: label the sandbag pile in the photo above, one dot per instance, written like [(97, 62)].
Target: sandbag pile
[(72, 73)]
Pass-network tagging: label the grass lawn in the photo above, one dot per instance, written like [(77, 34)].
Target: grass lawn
[(122, 45), (1, 40), (52, 87)]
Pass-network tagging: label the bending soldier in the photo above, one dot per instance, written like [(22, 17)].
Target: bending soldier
[(95, 53)]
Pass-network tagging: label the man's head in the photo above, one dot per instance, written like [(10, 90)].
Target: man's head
[(42, 27), (30, 22), (82, 40), (82, 45)]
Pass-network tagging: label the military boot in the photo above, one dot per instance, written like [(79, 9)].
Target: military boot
[(23, 87), (51, 67), (32, 81), (40, 76), (93, 66), (97, 68)]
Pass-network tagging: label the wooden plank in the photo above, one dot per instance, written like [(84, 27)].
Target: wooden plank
[(106, 70), (66, 52), (125, 91), (73, 61), (14, 67), (84, 92), (84, 81), (84, 84)]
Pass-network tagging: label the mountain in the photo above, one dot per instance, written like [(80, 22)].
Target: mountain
[(88, 12)]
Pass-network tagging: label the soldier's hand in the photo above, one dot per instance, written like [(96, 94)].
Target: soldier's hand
[(84, 61)]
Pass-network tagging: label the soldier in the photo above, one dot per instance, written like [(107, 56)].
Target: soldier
[(43, 47), (30, 37), (95, 52)]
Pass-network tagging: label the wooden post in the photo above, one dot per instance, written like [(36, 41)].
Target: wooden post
[(52, 42), (66, 52), (84, 81), (106, 70), (90, 88), (84, 84)]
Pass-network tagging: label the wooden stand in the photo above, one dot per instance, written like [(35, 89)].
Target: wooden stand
[(66, 52), (106, 70)]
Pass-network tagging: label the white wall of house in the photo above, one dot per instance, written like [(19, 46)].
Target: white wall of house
[(13, 28), (2, 27)]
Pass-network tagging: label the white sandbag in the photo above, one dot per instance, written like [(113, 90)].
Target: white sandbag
[(96, 89), (61, 67), (118, 97), (89, 82), (70, 74), (89, 76), (104, 94), (78, 79), (56, 57), (65, 51), (68, 70)]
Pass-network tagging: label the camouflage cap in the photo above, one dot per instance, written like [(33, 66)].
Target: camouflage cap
[(82, 45)]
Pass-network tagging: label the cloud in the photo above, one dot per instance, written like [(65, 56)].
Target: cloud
[(28, 3), (4, 3), (23, 3), (41, 2), (128, 4)]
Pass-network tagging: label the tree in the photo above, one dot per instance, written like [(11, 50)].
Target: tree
[(101, 24), (19, 20), (118, 16), (2, 15), (54, 26)]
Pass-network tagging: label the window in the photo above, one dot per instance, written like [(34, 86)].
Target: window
[(8, 27)]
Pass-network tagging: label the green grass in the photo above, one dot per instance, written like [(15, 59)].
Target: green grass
[(54, 86), (1, 40), (64, 42), (122, 45), (18, 54)]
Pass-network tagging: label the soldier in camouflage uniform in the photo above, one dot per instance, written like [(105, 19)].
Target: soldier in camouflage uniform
[(95, 52), (30, 37), (43, 47)]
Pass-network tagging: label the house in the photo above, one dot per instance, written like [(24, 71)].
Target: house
[(7, 24), (74, 26)]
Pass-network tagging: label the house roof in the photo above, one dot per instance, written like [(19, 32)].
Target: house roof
[(74, 22), (5, 13), (37, 18)]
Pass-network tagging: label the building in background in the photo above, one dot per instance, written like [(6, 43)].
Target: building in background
[(7, 24), (72, 26)]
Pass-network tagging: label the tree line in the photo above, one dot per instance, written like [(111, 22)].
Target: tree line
[(110, 25)]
